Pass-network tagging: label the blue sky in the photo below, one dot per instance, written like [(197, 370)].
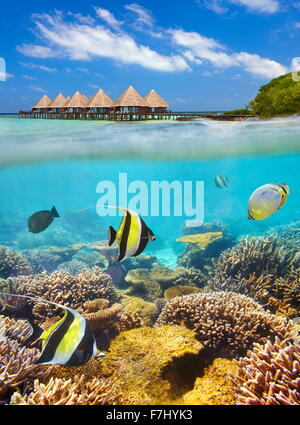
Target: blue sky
[(198, 54)]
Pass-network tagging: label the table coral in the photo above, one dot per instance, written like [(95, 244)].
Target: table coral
[(179, 290), (154, 364), (12, 263), (202, 240), (270, 374), (225, 322)]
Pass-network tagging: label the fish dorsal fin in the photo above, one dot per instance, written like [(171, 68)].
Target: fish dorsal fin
[(35, 332), (54, 212), (111, 235)]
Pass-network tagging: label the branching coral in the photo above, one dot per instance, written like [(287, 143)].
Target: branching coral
[(64, 288), (72, 392), (17, 367), (225, 322), (13, 264), (270, 374), (260, 268)]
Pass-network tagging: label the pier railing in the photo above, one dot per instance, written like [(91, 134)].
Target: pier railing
[(111, 116)]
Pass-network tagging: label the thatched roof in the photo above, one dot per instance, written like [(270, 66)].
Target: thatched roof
[(58, 102), (100, 100), (155, 101), (130, 97), (44, 102), (76, 101)]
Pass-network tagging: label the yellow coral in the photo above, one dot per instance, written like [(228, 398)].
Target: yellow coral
[(152, 362), (177, 291), (202, 240), (136, 306), (215, 387)]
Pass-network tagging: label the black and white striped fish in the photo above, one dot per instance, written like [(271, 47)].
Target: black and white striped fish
[(221, 181), (132, 236), (69, 342)]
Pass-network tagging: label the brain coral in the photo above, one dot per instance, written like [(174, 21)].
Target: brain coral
[(270, 374), (225, 322), (13, 264)]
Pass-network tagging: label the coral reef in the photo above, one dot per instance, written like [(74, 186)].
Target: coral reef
[(17, 368), (13, 264), (202, 257), (157, 374), (262, 269), (179, 290), (214, 387), (137, 307), (202, 240), (151, 283), (64, 288), (270, 374), (77, 391), (226, 323)]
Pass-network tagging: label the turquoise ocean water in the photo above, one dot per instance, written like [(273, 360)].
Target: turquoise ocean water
[(45, 163)]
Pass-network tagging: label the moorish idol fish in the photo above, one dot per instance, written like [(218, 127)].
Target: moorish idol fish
[(221, 181), (69, 342), (132, 236), (39, 221), (266, 200)]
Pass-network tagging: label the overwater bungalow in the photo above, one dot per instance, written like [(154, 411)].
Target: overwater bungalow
[(130, 102), (156, 103), (42, 105), (77, 103), (100, 103), (58, 104)]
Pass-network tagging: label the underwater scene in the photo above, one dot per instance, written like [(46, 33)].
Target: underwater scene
[(149, 263)]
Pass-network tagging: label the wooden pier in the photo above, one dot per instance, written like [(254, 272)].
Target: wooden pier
[(112, 116)]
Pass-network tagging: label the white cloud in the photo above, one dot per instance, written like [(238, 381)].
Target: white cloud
[(35, 51), (28, 77), (76, 41), (143, 16), (295, 66), (214, 53), (37, 88), (31, 65), (260, 6), (5, 76), (108, 17)]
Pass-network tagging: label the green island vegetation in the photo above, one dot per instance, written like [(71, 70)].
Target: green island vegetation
[(279, 97)]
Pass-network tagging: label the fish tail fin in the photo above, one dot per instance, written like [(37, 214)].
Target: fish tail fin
[(54, 212), (285, 189), (111, 235)]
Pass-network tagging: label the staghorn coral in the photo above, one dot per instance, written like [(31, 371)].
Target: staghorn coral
[(42, 260), (13, 264), (270, 373), (15, 329), (77, 391), (157, 374), (64, 288), (225, 322), (17, 368), (73, 267)]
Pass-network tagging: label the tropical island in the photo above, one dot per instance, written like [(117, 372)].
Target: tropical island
[(280, 97)]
